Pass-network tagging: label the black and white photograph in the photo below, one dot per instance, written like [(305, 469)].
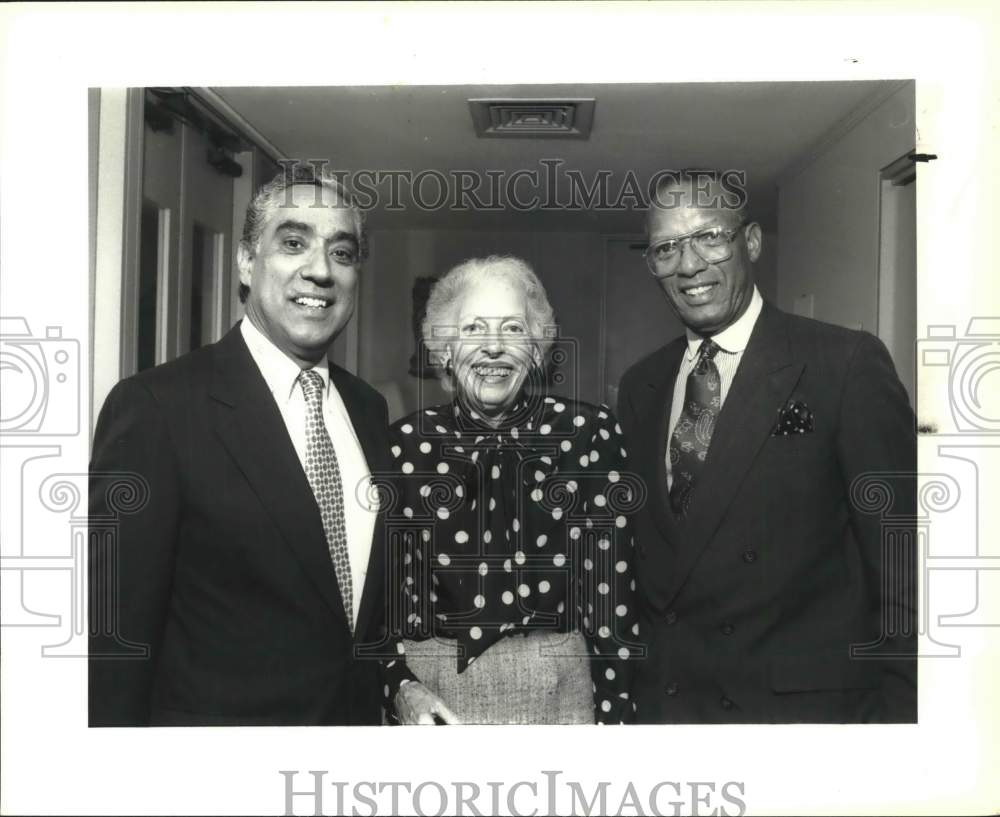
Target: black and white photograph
[(468, 390)]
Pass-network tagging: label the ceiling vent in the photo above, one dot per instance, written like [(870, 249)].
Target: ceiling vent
[(532, 118)]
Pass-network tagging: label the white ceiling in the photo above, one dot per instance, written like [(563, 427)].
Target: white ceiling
[(760, 127)]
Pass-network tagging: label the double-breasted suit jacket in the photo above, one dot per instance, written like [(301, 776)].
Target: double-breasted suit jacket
[(222, 573), (783, 595)]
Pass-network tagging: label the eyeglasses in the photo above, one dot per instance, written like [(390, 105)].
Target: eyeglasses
[(712, 244)]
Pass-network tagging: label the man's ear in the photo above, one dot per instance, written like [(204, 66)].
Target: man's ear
[(245, 263), (755, 240)]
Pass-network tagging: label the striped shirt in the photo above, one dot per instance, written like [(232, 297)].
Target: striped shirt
[(732, 342)]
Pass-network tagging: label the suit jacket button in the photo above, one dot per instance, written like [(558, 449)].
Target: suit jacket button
[(725, 703), (749, 555), (671, 688), (727, 629), (671, 617)]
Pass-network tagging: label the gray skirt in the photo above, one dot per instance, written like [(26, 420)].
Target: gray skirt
[(540, 678)]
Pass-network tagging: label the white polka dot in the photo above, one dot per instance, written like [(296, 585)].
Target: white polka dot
[(461, 537), (407, 558), (539, 476), (544, 586), (609, 674), (560, 407), (406, 428), (584, 460), (443, 513), (547, 460), (407, 467), (525, 620), (440, 429), (475, 633), (572, 485), (602, 588), (614, 476), (536, 495), (433, 597), (474, 456), (631, 585), (623, 653), (621, 567), (444, 559), (600, 501), (588, 564), (604, 433), (514, 433), (519, 557), (385, 690), (620, 521), (565, 445), (507, 597), (425, 490), (516, 525), (604, 544), (425, 448), (560, 607), (635, 628), (559, 560), (557, 513), (623, 452), (545, 428), (574, 532), (523, 590), (442, 468), (408, 513), (604, 632), (493, 504), (594, 456), (507, 566), (487, 536), (460, 491), (618, 429), (578, 421), (495, 472), (621, 610), (396, 451), (479, 601), (400, 648), (483, 568), (541, 540)]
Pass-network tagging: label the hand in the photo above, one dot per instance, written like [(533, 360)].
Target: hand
[(416, 704)]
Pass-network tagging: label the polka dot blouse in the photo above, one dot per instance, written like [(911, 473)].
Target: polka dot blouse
[(501, 531)]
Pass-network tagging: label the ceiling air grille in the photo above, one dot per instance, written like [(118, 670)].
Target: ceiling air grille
[(532, 118)]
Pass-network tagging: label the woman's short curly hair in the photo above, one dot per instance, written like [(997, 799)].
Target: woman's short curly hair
[(440, 321)]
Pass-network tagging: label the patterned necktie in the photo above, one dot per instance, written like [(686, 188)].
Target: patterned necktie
[(693, 432), (323, 474)]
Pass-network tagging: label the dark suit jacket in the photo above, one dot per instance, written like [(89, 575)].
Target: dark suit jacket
[(750, 606), (223, 570)]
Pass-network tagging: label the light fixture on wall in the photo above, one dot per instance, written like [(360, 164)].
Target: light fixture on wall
[(532, 118)]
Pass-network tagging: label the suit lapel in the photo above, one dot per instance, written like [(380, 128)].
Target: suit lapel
[(765, 378), (373, 444), (253, 431), (654, 415)]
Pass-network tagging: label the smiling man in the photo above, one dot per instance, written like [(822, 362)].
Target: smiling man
[(770, 590), (244, 575)]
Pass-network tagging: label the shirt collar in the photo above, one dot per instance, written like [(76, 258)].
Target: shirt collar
[(280, 371), (735, 337)]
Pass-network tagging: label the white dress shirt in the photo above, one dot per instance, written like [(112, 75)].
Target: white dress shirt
[(732, 343), (360, 508)]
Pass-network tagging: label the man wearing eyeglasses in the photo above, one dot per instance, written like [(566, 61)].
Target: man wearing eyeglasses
[(772, 587)]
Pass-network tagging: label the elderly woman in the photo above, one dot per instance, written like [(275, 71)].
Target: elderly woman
[(514, 556)]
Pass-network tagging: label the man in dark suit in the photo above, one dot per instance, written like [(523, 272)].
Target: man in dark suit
[(239, 588), (771, 590)]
